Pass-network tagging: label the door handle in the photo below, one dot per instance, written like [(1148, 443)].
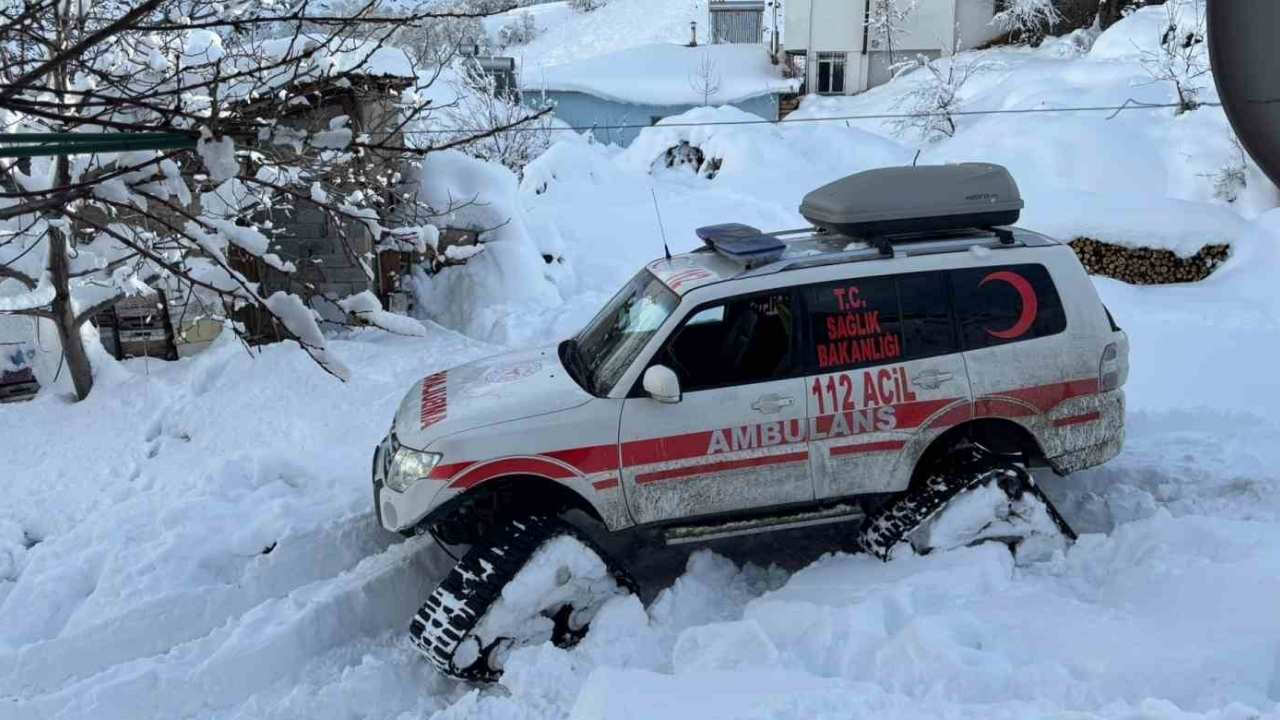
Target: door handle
[(772, 403), (932, 379)]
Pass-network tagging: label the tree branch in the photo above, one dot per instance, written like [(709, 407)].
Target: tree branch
[(125, 21), (12, 274)]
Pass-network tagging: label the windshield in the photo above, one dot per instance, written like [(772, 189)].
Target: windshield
[(611, 341)]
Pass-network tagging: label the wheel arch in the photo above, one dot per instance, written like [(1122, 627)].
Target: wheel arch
[(472, 512), (1000, 435)]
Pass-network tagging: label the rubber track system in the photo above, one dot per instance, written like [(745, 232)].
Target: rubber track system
[(964, 469), (454, 609)]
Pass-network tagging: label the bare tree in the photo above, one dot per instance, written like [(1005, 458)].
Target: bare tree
[(705, 78), (887, 23), (80, 230), (1180, 57), (482, 105), (928, 108)]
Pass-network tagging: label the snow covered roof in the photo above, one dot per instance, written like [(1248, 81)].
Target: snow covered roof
[(667, 74), (330, 58), (345, 55)]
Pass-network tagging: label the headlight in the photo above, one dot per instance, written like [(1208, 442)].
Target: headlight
[(408, 467)]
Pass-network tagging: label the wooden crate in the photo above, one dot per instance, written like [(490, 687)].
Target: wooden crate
[(18, 385), (138, 327)]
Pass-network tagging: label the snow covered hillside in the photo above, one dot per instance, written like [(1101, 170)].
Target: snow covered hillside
[(196, 540)]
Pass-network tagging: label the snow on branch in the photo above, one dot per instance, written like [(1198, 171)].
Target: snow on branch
[(1027, 17), (301, 322), (366, 308)]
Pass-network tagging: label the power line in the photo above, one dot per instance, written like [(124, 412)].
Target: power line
[(1114, 109)]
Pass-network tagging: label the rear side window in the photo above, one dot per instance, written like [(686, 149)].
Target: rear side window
[(1004, 304), (928, 328), (873, 321)]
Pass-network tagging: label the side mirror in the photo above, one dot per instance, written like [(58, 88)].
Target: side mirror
[(662, 384)]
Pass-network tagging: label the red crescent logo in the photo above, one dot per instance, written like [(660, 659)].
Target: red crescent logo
[(1030, 305)]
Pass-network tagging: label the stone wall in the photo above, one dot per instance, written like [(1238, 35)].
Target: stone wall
[(1145, 266)]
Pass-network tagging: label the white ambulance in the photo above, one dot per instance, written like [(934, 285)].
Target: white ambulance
[(907, 348)]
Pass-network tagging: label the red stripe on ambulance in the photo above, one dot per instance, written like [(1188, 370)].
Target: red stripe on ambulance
[(597, 459), (719, 467)]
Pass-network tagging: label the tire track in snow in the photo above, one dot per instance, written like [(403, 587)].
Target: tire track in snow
[(254, 650), (153, 628)]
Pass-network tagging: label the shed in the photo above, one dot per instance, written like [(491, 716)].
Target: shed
[(619, 93), (362, 84)]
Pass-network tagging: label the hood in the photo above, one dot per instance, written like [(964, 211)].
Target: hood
[(496, 389)]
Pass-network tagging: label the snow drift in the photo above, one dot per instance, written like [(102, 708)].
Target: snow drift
[(485, 297)]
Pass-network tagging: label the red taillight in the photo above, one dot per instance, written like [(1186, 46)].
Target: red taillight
[(1109, 368)]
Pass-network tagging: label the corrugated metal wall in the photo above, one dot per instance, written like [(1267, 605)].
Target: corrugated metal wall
[(736, 26)]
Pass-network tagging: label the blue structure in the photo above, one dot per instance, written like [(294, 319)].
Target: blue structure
[(619, 94), (579, 109)]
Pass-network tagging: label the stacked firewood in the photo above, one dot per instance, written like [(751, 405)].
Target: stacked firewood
[(1146, 266)]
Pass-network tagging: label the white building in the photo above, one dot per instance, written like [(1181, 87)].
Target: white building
[(829, 44)]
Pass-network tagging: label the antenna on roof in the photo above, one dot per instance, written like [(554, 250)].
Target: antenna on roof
[(915, 159), (661, 229)]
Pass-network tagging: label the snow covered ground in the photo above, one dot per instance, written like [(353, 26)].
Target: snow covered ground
[(195, 540)]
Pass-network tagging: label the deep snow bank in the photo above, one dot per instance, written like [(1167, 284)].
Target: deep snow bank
[(516, 270)]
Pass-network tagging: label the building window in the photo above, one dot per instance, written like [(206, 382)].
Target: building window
[(831, 73)]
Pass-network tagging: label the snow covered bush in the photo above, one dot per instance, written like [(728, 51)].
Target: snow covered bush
[(587, 5), (689, 156), (1233, 177), (929, 104), (1181, 55), (1027, 18), (522, 29)]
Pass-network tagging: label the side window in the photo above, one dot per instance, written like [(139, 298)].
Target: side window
[(853, 323), (738, 342), (1004, 304), (927, 326)]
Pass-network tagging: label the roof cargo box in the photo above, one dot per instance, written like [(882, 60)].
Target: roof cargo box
[(905, 200)]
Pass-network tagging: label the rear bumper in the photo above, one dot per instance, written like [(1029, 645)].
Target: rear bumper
[(1091, 438), (1088, 457)]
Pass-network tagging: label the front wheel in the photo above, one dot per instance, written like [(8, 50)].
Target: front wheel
[(531, 580), (971, 495)]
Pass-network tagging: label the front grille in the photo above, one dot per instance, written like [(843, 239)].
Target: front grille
[(378, 473)]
